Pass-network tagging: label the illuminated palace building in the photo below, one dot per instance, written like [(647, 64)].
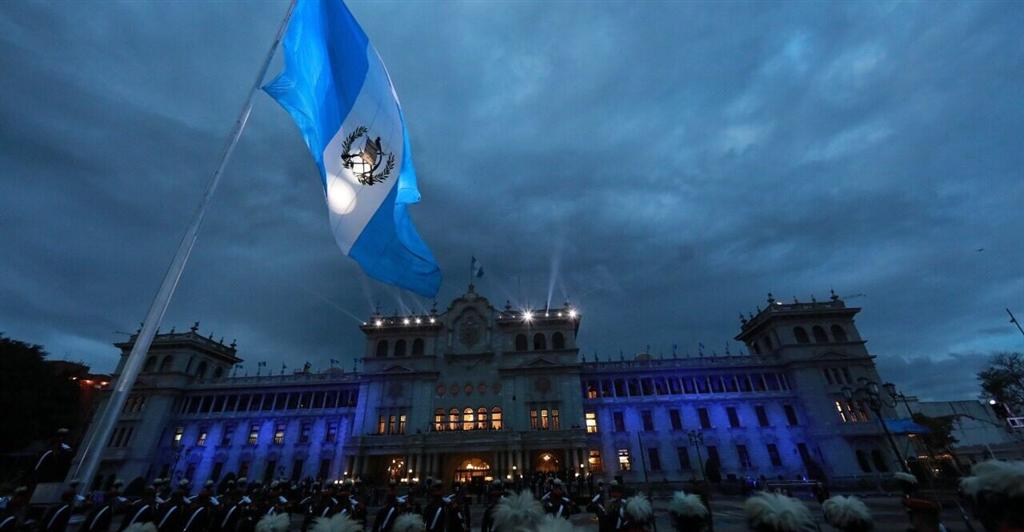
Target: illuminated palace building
[(477, 391)]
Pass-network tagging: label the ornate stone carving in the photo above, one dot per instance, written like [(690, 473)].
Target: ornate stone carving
[(470, 330)]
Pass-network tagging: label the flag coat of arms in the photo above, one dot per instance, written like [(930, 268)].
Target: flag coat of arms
[(338, 92)]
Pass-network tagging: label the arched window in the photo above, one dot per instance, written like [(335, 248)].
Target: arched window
[(417, 347), (201, 370), (439, 420), (400, 348), (481, 418), (521, 342), (496, 418), (801, 335), (219, 372), (819, 335), (150, 364), (539, 342), (165, 364), (382, 348), (557, 341), (879, 460), (188, 366), (839, 334), (453, 419), (468, 418), (862, 461)]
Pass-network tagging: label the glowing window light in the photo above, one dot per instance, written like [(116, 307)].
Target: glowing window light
[(527, 315), (405, 321), (380, 323), (572, 313)]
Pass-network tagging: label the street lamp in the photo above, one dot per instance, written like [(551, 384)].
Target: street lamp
[(869, 390), (697, 440)]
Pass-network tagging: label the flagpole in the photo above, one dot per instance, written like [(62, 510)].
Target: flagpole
[(93, 451)]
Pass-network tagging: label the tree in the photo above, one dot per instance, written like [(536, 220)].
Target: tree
[(1003, 380), (36, 401), (940, 431)]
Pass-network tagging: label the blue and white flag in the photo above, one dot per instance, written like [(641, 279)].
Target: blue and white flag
[(338, 92)]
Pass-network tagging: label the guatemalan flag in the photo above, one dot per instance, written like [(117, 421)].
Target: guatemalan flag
[(338, 92)]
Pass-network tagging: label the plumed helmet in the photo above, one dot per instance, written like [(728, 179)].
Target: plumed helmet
[(274, 523), (638, 508), (848, 514), (517, 512), (773, 512), (337, 523), (408, 522)]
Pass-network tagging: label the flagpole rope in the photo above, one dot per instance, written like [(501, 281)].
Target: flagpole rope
[(102, 429)]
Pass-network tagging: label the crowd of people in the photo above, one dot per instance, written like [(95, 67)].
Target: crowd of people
[(994, 493)]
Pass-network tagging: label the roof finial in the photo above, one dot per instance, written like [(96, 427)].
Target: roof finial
[(771, 299), (234, 342), (508, 305), (195, 327), (834, 296), (743, 319), (812, 299), (172, 329)]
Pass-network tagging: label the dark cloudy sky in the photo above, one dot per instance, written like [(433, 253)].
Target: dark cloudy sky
[(663, 165)]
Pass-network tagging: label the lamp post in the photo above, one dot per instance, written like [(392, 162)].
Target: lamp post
[(697, 440), (869, 390)]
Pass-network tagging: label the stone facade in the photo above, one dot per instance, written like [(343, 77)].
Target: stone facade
[(481, 392)]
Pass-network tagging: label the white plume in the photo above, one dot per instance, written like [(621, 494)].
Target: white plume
[(639, 508), (551, 523), (687, 505), (141, 527), (777, 513), (274, 523), (905, 477), (336, 523), (409, 522), (517, 512), (847, 513), (995, 476)]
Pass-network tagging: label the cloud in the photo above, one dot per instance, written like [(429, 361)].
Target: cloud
[(662, 167)]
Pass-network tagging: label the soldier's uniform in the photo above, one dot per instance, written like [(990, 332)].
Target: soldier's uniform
[(494, 495), (458, 514), (248, 515), (141, 511), (611, 514), (200, 513), (99, 519), (172, 513), (56, 518), (228, 513), (556, 503), (435, 514), (387, 514)]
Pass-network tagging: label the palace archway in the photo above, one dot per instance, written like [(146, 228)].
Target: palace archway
[(472, 468), (547, 462)]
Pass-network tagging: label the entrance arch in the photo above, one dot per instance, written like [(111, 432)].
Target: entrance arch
[(548, 462), (472, 468)]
